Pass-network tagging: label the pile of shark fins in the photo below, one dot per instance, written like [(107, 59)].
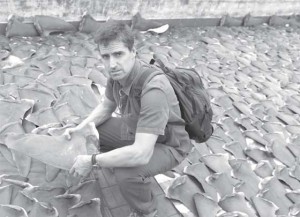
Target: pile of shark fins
[(48, 89), (249, 167)]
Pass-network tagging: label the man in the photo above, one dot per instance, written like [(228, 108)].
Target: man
[(149, 136)]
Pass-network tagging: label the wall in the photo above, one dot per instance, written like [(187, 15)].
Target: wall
[(155, 9)]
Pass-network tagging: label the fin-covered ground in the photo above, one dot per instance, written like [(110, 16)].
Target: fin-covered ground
[(249, 167)]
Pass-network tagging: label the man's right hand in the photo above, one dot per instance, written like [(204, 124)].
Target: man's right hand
[(68, 132)]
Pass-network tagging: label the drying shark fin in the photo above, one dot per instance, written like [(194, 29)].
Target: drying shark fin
[(22, 161), (12, 211), (51, 173), (43, 194), (250, 20), (88, 190), (237, 202), (217, 162), (295, 210), (242, 170), (6, 194), (276, 136), (23, 200), (256, 136), (90, 208), (201, 172), (233, 214), (216, 145), (206, 206), (43, 116), (194, 156), (183, 189), (16, 107), (294, 148), (245, 188), (237, 136), (141, 24), (65, 201), (15, 127), (70, 180), (6, 153), (243, 108), (293, 129), (47, 25), (13, 177), (274, 127), (45, 148), (282, 153), (222, 183), (43, 209), (263, 169), (264, 208), (202, 148), (284, 174), (273, 190), (235, 149), (258, 154), (294, 196), (17, 185)]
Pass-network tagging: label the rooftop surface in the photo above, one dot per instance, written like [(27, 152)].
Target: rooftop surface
[(250, 164)]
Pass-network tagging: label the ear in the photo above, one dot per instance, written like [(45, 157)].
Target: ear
[(133, 51)]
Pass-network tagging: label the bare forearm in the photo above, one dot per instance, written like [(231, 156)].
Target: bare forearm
[(98, 116), (137, 154), (126, 156)]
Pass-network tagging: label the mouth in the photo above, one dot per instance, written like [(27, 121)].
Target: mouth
[(115, 73)]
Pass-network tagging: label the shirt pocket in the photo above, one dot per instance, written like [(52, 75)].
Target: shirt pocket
[(129, 125)]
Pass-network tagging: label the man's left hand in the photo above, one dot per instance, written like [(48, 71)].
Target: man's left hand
[(82, 166)]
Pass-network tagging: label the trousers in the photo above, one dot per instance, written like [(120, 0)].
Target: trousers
[(134, 182)]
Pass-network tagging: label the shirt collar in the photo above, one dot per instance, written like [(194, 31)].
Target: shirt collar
[(129, 80)]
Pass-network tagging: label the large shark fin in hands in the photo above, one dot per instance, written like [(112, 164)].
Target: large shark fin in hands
[(56, 151)]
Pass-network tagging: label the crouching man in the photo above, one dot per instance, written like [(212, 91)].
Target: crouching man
[(148, 137)]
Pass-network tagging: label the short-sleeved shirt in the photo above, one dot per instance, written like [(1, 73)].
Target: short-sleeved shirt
[(158, 112)]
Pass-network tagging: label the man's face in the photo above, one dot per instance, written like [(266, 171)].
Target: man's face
[(118, 59)]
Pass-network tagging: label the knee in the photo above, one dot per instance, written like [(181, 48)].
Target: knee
[(121, 175), (125, 177)]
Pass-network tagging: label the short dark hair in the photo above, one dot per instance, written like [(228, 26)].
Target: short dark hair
[(115, 30)]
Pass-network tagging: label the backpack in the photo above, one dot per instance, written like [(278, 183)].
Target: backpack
[(194, 101)]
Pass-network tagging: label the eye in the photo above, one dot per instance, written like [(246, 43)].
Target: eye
[(118, 54), (105, 56)]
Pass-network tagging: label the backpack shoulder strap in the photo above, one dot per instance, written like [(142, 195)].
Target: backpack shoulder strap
[(136, 89), (150, 72)]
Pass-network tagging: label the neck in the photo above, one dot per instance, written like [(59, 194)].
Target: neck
[(123, 80)]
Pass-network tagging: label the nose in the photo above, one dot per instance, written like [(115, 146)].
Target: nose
[(112, 63)]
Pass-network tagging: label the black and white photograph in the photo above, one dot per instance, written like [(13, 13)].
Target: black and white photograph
[(140, 108)]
